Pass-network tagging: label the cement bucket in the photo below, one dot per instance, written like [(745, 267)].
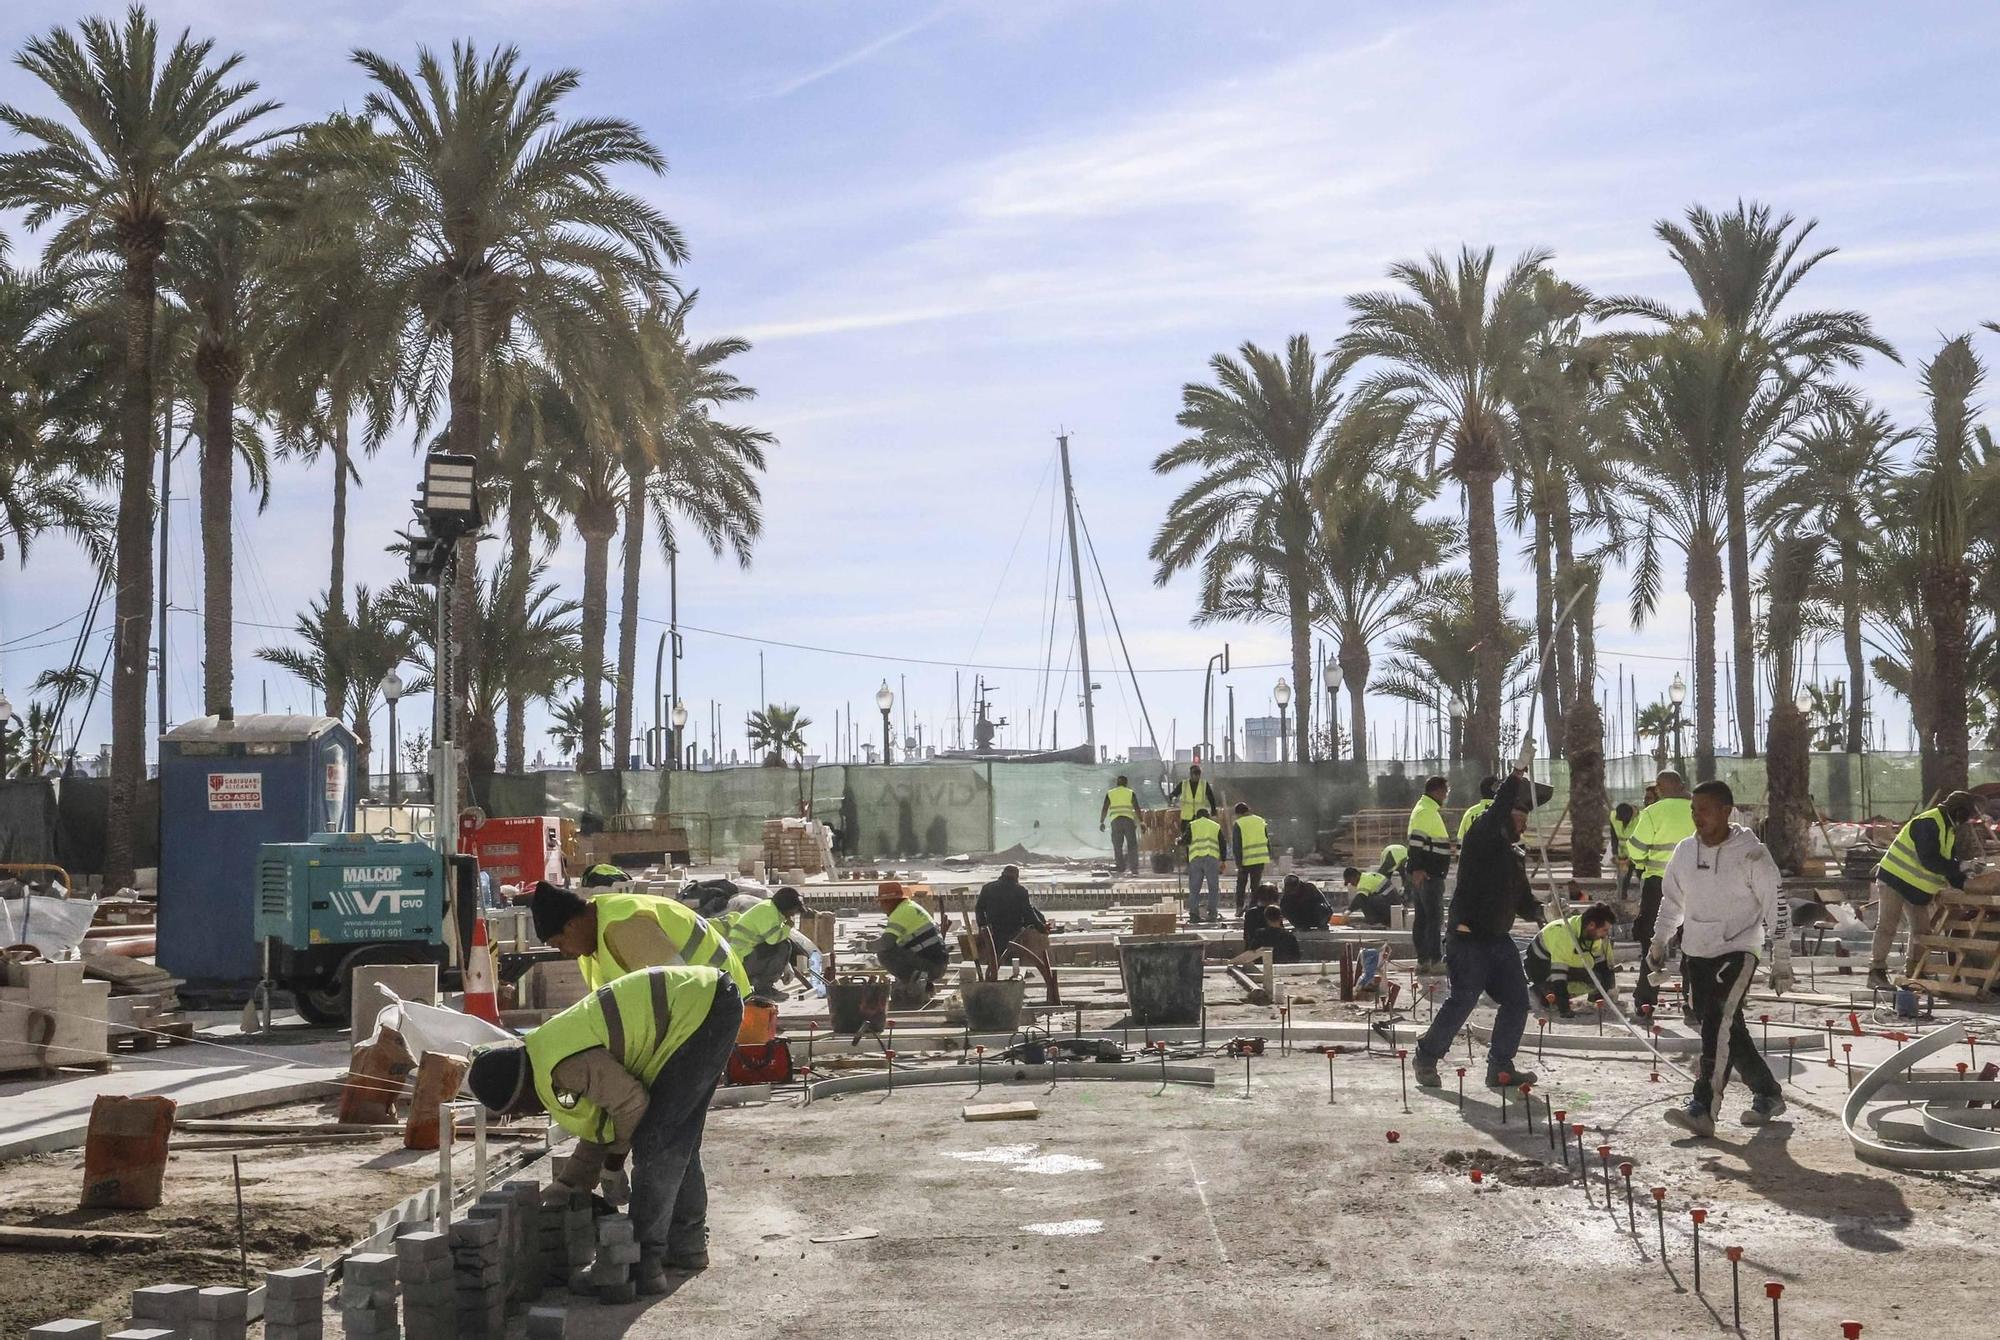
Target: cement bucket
[(992, 1007), (853, 1005), (1162, 978)]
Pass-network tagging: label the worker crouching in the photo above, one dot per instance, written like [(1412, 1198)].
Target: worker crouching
[(762, 937), (1562, 959), (911, 948), (630, 1068)]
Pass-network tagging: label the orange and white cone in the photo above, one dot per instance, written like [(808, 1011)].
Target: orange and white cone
[(480, 1002)]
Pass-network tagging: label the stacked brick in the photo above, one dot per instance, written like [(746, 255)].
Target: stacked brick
[(617, 1255), (292, 1304), (424, 1269), (221, 1314), (569, 1242), (69, 1328), (368, 1297), (479, 1278), (548, 1323), (165, 1307)]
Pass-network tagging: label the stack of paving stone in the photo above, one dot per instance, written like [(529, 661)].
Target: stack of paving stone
[(569, 1242), (548, 1323), (69, 1328), (221, 1313), (479, 1278), (368, 1297), (423, 1266), (617, 1254), (165, 1307), (527, 1278), (147, 1333), (292, 1304)]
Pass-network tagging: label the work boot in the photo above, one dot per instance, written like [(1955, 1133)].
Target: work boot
[(1515, 1079), (649, 1277), (1426, 1070), (1878, 980), (1763, 1109), (1695, 1118), (691, 1261)]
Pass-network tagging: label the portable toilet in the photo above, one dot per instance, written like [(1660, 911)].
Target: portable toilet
[(227, 787)]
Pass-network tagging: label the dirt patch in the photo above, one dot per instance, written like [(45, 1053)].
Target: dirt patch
[(295, 1204), (1506, 1169)]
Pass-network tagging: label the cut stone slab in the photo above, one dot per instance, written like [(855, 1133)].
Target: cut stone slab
[(1023, 1111)]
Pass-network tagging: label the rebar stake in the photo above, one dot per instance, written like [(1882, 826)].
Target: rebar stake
[(1735, 1255), (1562, 1131), (1699, 1216), (1604, 1157), (1582, 1168), (1505, 1076), (1774, 1291), (1528, 1106), (1660, 1213), (1631, 1221), (980, 1070), (1329, 1075), (1461, 1088), (1403, 1069), (889, 1058)]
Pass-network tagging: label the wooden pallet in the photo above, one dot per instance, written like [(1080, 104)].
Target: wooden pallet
[(1960, 958)]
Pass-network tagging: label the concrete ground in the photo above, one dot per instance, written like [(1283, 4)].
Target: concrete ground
[(1123, 1209)]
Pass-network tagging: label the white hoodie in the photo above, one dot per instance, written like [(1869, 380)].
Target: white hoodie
[(1727, 896)]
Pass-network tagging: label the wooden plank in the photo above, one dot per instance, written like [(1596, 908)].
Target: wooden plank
[(222, 1126), (73, 1239), (1024, 1111), (283, 1141)]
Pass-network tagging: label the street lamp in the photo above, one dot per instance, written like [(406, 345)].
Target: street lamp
[(1455, 708), (680, 719), (1803, 700), (9, 726), (1677, 693), (1283, 693), (391, 689), (884, 700)]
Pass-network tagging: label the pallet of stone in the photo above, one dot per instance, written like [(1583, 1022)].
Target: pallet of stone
[(141, 1022), (50, 1017), (294, 1304)]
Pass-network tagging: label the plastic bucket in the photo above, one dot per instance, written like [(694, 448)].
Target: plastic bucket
[(1162, 978), (992, 1007), (854, 1005), (760, 1022)]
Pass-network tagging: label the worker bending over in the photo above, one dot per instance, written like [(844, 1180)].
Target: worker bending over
[(1369, 898), (1304, 905), (1121, 809), (764, 941), (1920, 864), (1010, 926), (1488, 788), (1204, 866), (1253, 851), (1658, 830), (612, 934), (1492, 891), (1572, 948), (911, 948), (630, 1067), (1429, 863), (1721, 892)]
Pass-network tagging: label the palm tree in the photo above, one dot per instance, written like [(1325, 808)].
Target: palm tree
[(1955, 446), (147, 135), (1791, 580), (1827, 479), (566, 725), (530, 646), (1257, 436), (1453, 349), (359, 650), (1436, 659), (509, 232), (586, 475), (1655, 721), (50, 414), (1744, 266), (778, 731)]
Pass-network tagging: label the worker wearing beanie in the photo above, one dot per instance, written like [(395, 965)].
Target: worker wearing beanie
[(762, 938), (1920, 864), (612, 934), (629, 1068)]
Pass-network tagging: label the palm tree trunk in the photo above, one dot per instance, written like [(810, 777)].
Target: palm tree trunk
[(520, 532), (1482, 728), (1704, 587), (134, 602), (1787, 769), (1355, 664), (218, 368), (336, 582), (1850, 636), (1552, 707), (1302, 661), (466, 436), (1740, 613), (1571, 678), (1950, 604), (595, 522), (1583, 746), (628, 602)]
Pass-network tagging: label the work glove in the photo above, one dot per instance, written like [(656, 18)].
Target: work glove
[(1780, 976), (1656, 957), (556, 1195)]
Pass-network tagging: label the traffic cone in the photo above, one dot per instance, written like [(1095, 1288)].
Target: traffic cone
[(480, 1001)]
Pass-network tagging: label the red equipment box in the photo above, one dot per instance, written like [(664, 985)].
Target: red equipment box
[(515, 851)]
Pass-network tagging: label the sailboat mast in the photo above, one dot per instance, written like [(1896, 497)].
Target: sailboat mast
[(1076, 588)]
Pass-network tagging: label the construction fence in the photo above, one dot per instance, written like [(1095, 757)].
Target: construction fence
[(961, 807)]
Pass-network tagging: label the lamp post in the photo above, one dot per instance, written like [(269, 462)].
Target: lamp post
[(1283, 693), (1677, 693), (1455, 707), (391, 689), (885, 699), (680, 719), (10, 726)]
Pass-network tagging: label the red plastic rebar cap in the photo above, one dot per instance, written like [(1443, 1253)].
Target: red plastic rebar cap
[(1850, 1330), (1402, 1052), (1733, 1253), (1461, 1072), (1961, 1067), (1477, 1176), (1394, 1136), (1773, 1289), (1562, 1114), (1659, 1193), (1699, 1216), (1577, 1131), (1625, 1170), (1527, 1089), (1604, 1152)]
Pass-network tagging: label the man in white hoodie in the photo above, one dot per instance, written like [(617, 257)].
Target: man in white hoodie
[(1720, 890)]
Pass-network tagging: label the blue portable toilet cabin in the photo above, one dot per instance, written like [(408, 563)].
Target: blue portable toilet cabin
[(227, 787)]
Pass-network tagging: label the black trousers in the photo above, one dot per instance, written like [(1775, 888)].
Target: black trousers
[(1427, 916), (1125, 844), (1248, 877), (1717, 986), (1642, 930)]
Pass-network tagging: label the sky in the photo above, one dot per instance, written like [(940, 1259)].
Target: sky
[(953, 231)]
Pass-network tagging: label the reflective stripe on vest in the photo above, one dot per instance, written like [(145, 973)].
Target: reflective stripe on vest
[(1471, 817), (1204, 839), (1659, 829), (1124, 803), (1902, 861), (698, 943), (642, 1019), (1253, 839), (1196, 796), (1394, 857), (1427, 830), (1372, 881), (911, 923), (763, 924)]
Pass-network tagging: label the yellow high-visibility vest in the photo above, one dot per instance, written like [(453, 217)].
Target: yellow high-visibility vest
[(1657, 831), (693, 938), (1196, 796), (1204, 839), (1901, 858), (642, 1019), (1124, 803), (1253, 839)]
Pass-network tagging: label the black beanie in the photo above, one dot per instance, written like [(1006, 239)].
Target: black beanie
[(498, 1074), (554, 907)]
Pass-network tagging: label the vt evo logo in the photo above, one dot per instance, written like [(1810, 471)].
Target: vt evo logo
[(375, 902)]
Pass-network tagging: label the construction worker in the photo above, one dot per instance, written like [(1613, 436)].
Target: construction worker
[(1264, 928), (1304, 905), (1010, 926), (1253, 851), (1622, 820), (1920, 864), (1488, 786), (1195, 795), (1204, 865), (1721, 892), (1368, 896), (1492, 891), (603, 875), (762, 938), (1660, 828), (911, 948), (1429, 863), (1395, 861), (1121, 808), (1575, 947), (612, 934), (630, 1067)]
